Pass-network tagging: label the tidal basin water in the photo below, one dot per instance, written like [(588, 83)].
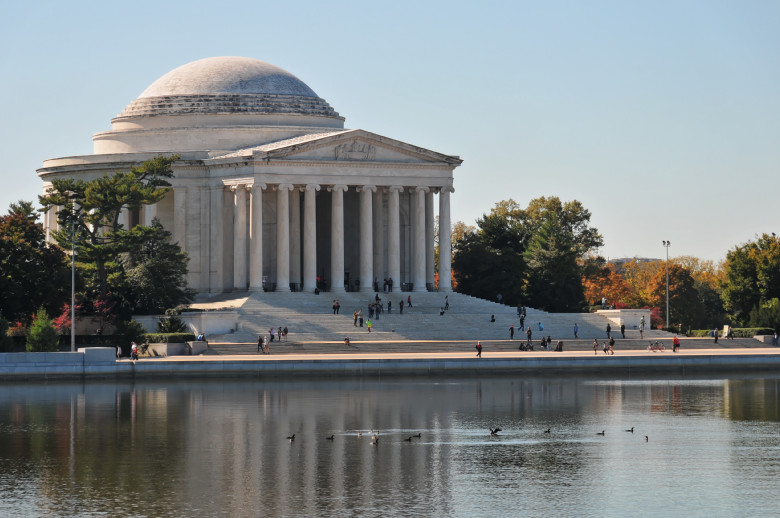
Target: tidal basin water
[(217, 448)]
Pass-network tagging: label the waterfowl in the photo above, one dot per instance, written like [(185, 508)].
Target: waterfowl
[(291, 437), (600, 433), (494, 431), (409, 439), (645, 438), (329, 438), (419, 435), (547, 431), (631, 430)]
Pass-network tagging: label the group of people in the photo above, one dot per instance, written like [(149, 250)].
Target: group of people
[(387, 285), (264, 343), (608, 346)]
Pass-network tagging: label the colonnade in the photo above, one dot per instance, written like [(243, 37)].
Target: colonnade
[(247, 235)]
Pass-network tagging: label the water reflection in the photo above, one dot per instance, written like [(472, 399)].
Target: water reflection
[(220, 448)]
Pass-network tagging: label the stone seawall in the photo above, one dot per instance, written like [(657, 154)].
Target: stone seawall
[(94, 363)]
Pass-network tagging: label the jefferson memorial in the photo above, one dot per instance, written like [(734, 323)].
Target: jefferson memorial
[(271, 191)]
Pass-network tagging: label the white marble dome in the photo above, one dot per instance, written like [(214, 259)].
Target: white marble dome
[(228, 85)]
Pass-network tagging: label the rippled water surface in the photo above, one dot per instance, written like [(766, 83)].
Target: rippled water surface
[(220, 449)]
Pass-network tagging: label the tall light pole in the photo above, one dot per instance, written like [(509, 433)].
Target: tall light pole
[(73, 283), (667, 244)]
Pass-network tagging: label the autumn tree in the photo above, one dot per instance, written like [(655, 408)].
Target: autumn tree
[(685, 307)]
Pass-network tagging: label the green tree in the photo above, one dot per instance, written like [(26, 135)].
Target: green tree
[(156, 272), (32, 272), (42, 337), (553, 278), (752, 277), (93, 208), (515, 251)]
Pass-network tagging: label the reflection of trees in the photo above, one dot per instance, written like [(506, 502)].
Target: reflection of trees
[(752, 400)]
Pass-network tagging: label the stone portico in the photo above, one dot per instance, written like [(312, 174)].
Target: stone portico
[(271, 191)]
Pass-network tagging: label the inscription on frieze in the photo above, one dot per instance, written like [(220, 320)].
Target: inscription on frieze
[(355, 150)]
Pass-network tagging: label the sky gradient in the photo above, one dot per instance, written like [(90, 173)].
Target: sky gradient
[(662, 118)]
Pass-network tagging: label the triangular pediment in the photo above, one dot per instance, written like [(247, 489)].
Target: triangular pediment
[(348, 146)]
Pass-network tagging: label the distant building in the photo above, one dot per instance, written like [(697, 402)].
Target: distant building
[(271, 191)]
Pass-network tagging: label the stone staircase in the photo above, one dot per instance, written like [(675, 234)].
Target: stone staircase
[(310, 318)]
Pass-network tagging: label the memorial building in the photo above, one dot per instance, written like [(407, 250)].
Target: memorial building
[(271, 191)]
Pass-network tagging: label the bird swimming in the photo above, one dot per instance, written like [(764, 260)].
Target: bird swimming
[(291, 437), (631, 430), (419, 435), (409, 439), (494, 431), (329, 438), (547, 431), (645, 438), (600, 433)]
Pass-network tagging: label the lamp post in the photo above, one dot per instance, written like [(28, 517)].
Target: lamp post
[(667, 244), (73, 283)]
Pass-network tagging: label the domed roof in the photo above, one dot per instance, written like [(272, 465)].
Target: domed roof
[(228, 85), (228, 75)]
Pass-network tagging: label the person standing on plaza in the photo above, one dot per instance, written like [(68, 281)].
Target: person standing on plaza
[(609, 330), (401, 307), (271, 334), (389, 307), (512, 332), (610, 349), (576, 329), (479, 350), (446, 302), (675, 344), (409, 301), (354, 318), (259, 344), (369, 324), (528, 334), (623, 330), (522, 322), (642, 328), (595, 346)]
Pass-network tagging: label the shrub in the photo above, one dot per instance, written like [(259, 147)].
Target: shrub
[(171, 324), (43, 336), (132, 331), (739, 332)]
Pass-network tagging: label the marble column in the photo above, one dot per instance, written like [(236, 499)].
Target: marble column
[(283, 237), (150, 212), (366, 238), (394, 236), (124, 218), (337, 238), (256, 237), (445, 240), (295, 237), (216, 239), (418, 245), (429, 245), (379, 255), (239, 238), (180, 216), (310, 237)]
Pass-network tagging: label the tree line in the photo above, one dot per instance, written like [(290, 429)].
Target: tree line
[(544, 256)]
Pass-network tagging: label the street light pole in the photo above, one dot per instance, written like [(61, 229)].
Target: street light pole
[(73, 284), (667, 244)]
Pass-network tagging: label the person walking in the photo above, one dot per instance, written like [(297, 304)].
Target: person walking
[(409, 301), (259, 343), (595, 346), (479, 350), (401, 307), (369, 324), (522, 322), (576, 329), (610, 347), (446, 302), (675, 344), (715, 334), (512, 332), (271, 334), (623, 330)]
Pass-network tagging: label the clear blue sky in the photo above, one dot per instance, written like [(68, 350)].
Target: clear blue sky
[(661, 117)]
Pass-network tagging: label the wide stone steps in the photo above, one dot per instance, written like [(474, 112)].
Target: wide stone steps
[(310, 318)]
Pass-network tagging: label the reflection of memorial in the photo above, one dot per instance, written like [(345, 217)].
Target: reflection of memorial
[(271, 191)]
